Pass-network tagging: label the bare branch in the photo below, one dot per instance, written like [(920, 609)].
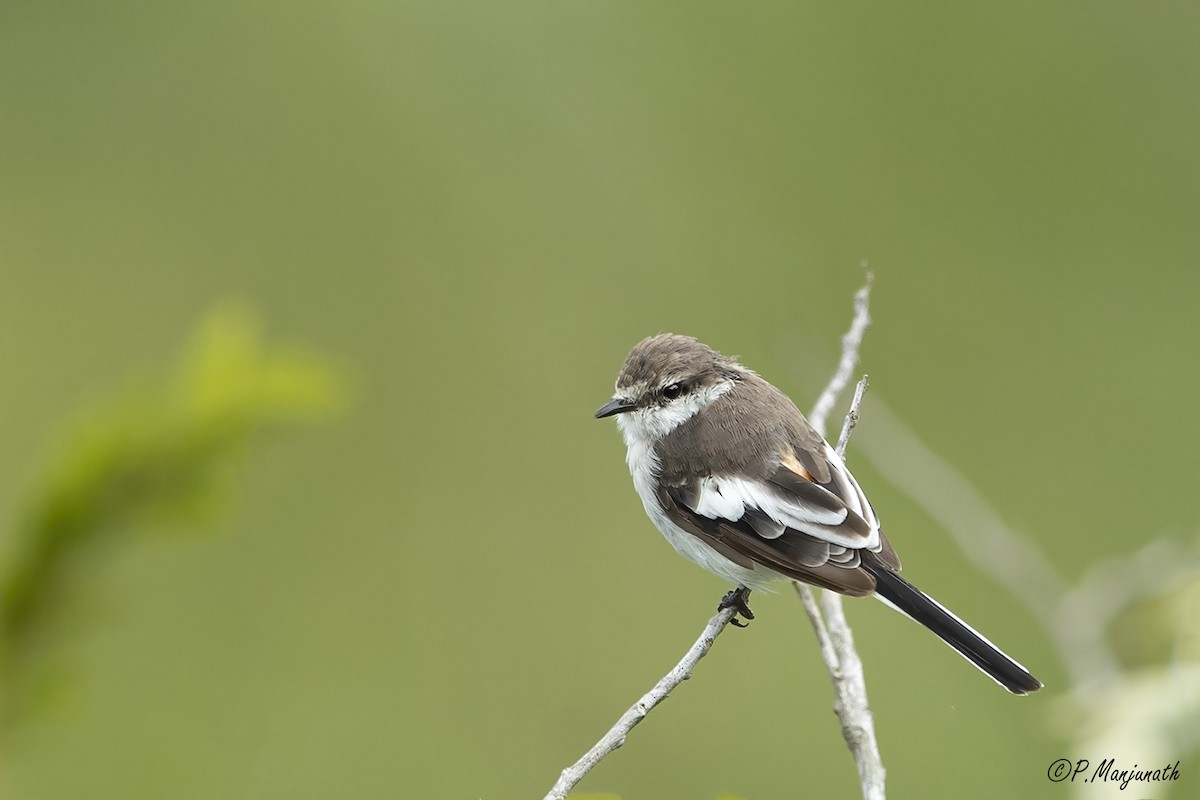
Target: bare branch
[(829, 622), (616, 735), (850, 701), (828, 652), (1112, 585), (962, 510), (983, 537), (852, 417), (837, 645), (849, 360), (1118, 708), (841, 658), (1074, 617)]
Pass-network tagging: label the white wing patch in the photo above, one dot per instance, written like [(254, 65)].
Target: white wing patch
[(848, 489), (752, 493), (729, 497)]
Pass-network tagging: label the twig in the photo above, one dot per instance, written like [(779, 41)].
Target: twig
[(616, 735), (983, 537), (1075, 617), (1110, 586), (962, 510), (828, 620), (849, 360), (1145, 709), (850, 701), (841, 658), (837, 645), (851, 417), (813, 609)]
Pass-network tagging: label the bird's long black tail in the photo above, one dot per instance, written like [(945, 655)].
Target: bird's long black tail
[(913, 603)]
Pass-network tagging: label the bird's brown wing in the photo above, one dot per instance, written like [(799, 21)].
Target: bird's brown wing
[(808, 528), (792, 554)]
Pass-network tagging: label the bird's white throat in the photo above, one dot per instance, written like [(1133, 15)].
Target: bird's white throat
[(642, 429), (648, 425)]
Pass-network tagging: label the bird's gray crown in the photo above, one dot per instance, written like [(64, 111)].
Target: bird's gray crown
[(670, 358)]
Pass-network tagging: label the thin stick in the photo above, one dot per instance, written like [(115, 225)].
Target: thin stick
[(852, 417), (828, 621), (828, 651), (850, 701), (851, 342), (616, 735), (1076, 616), (835, 643), (841, 659)]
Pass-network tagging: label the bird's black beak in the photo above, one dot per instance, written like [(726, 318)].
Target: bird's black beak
[(615, 406)]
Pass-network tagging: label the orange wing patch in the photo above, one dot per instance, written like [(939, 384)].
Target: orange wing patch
[(788, 460)]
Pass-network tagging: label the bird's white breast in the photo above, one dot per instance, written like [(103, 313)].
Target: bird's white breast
[(644, 466)]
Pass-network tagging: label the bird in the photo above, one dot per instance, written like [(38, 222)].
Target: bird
[(739, 482)]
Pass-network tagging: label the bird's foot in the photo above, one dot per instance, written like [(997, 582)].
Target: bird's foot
[(737, 600)]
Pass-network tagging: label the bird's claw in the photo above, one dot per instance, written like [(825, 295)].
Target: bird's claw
[(737, 600)]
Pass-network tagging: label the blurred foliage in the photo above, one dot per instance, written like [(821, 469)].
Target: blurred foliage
[(481, 207), (1153, 707), (1153, 711), (166, 452)]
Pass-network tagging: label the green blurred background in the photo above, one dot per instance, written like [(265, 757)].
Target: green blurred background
[(475, 209)]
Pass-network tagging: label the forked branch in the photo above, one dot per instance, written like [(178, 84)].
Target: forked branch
[(837, 644)]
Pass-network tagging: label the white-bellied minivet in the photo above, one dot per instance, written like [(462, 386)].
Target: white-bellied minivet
[(739, 482)]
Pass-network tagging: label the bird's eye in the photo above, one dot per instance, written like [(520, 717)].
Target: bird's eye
[(672, 391)]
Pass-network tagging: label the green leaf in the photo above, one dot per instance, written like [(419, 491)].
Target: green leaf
[(166, 451)]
